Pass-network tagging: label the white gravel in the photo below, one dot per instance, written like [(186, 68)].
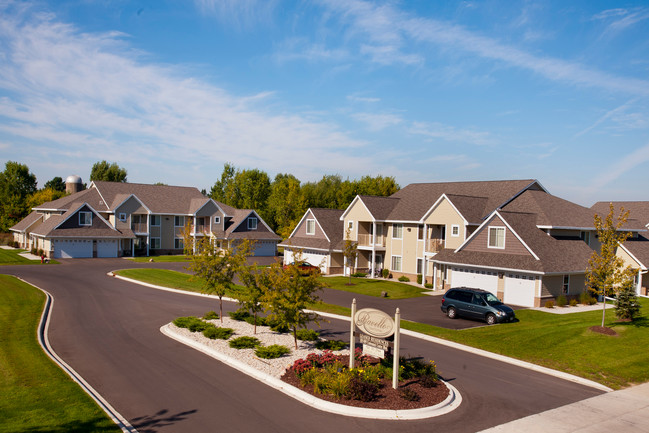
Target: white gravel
[(274, 367)]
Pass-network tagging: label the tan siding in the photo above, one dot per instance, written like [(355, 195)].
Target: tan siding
[(446, 215), (356, 213), (301, 229)]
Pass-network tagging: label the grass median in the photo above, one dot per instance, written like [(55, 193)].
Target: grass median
[(12, 257), (37, 396), (375, 287)]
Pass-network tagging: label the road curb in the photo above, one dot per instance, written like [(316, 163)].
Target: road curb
[(43, 340), (451, 403)]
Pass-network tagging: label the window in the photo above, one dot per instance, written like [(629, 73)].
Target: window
[(85, 218), (566, 284), (585, 236), (350, 225), (455, 230), (178, 243), (420, 232), (497, 237), (155, 243), (420, 266), (122, 217), (397, 231), (155, 220), (252, 223), (396, 263), (310, 227), (179, 221), (217, 220)]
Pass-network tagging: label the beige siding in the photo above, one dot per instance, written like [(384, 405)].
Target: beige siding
[(628, 260), (357, 212), (446, 215)]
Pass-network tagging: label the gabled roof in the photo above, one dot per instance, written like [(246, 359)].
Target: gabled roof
[(238, 217), (638, 248), (551, 211), (638, 210), (27, 222), (331, 224), (52, 226)]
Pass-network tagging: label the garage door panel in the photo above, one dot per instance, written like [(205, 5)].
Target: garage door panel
[(72, 249), (107, 248), (476, 278), (520, 290)]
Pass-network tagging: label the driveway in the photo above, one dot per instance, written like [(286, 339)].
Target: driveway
[(108, 330)]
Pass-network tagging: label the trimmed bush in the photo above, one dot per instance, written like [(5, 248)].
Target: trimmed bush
[(215, 333), (428, 285), (210, 315), (194, 324), (272, 352), (549, 304), (562, 301), (307, 335), (239, 315), (404, 279), (419, 279), (244, 343), (573, 303), (359, 275), (385, 273), (261, 321), (587, 299), (330, 345)]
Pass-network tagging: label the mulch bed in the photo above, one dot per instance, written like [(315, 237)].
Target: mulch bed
[(603, 330), (388, 398)]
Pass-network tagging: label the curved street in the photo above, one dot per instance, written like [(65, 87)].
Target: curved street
[(108, 331)]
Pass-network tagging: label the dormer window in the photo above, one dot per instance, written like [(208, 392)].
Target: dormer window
[(252, 223), (217, 220), (496, 237), (122, 217), (310, 227), (85, 218)]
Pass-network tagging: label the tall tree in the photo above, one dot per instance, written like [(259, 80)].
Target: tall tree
[(222, 189), (285, 205), (606, 271), (56, 184), (102, 170), (43, 196), (16, 185)]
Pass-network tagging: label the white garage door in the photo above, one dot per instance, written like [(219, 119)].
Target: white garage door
[(315, 258), (264, 248), (107, 248), (72, 248), (475, 278), (519, 290)]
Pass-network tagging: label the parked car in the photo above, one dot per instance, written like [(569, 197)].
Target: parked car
[(305, 268), (475, 304)]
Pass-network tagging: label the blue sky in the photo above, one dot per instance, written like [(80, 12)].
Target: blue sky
[(424, 91)]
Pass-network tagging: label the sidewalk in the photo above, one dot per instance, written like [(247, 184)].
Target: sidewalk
[(619, 411)]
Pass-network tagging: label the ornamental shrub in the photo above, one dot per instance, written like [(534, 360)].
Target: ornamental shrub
[(385, 273), (210, 315), (359, 275), (428, 285), (307, 335), (361, 390), (218, 333), (573, 302), (194, 324), (562, 301), (261, 321), (244, 342), (239, 315), (272, 352), (549, 304), (408, 394), (586, 298), (330, 345), (419, 278), (404, 279)]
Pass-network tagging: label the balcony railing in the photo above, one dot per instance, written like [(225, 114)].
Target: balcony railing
[(434, 245), (365, 240), (139, 227)]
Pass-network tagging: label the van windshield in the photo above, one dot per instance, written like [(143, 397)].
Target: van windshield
[(492, 300)]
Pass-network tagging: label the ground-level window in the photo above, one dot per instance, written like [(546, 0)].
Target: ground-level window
[(310, 227), (566, 284), (179, 243), (496, 237), (396, 263), (155, 243), (85, 218), (420, 266)]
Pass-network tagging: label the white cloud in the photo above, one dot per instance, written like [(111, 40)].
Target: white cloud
[(639, 157), (238, 13), (357, 98), (436, 130), (620, 19), (377, 121), (90, 95)]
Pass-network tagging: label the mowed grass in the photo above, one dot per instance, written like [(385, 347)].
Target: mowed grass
[(167, 278), (11, 257), (565, 343), (374, 287), (161, 259), (35, 394)]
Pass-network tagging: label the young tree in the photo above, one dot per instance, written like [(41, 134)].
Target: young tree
[(217, 267), (251, 297), (626, 302), (606, 272), (288, 293), (102, 170), (350, 252)]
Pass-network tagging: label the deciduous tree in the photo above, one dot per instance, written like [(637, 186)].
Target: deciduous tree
[(102, 170), (350, 252), (56, 184), (16, 185)]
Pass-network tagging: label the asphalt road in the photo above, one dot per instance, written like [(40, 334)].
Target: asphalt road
[(108, 331)]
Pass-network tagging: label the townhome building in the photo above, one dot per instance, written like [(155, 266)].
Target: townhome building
[(115, 219), (319, 239)]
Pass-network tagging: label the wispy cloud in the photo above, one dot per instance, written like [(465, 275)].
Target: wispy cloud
[(91, 96), (395, 31), (639, 157), (238, 13), (377, 121), (300, 49), (358, 98), (608, 115), (440, 131), (620, 19)]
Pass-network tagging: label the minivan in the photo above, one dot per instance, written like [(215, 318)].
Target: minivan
[(475, 304)]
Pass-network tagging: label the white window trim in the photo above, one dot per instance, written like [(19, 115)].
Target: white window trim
[(394, 232), (177, 217), (453, 227), (85, 213), (350, 226), (250, 225), (122, 217), (176, 239), (563, 285), (153, 217), (159, 243), (217, 219), (311, 222), (400, 263), (489, 237)]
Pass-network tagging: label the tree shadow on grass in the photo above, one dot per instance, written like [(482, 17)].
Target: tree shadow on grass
[(99, 424), (150, 423), (640, 322)]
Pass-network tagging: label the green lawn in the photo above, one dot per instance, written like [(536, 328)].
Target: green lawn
[(11, 257), (161, 259), (166, 278), (36, 395), (372, 287)]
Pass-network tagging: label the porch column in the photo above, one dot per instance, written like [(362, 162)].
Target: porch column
[(424, 265), (133, 247), (638, 287), (434, 276), (194, 237), (148, 234), (373, 265)]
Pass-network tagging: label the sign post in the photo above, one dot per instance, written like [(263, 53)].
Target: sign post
[(395, 362), (352, 340)]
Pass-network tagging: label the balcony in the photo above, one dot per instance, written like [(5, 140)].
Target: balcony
[(139, 227), (434, 245), (201, 229), (365, 240)]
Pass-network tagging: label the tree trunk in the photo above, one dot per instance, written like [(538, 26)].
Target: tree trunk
[(221, 309)]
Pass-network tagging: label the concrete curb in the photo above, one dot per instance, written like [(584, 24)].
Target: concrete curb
[(451, 403), (43, 340), (480, 352)]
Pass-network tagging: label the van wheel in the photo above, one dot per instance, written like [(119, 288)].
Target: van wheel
[(451, 313), (491, 319)]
